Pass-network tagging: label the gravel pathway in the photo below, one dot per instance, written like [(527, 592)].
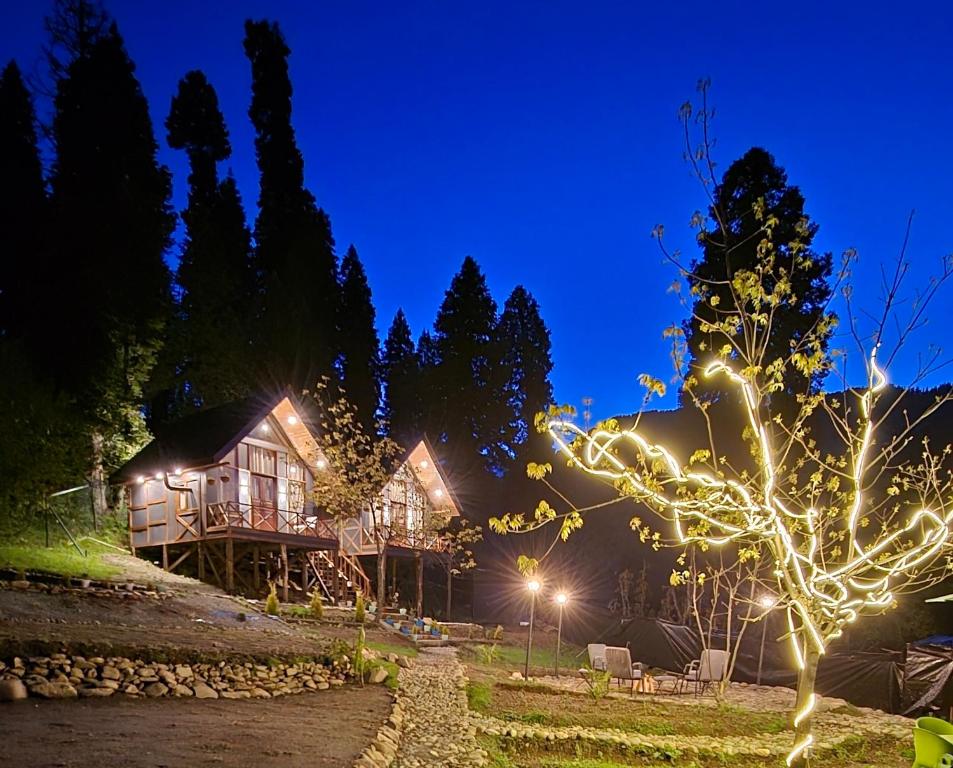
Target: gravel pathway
[(437, 730)]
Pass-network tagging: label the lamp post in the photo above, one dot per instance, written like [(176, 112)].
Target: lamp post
[(767, 602), (533, 587), (561, 599)]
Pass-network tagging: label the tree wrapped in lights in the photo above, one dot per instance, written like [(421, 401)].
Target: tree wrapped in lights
[(841, 496)]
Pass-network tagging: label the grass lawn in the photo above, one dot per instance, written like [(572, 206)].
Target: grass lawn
[(670, 728), (61, 559), (386, 646)]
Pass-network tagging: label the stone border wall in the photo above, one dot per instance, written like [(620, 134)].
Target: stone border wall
[(62, 676)]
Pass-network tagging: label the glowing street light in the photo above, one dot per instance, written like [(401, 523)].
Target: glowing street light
[(561, 599), (533, 586), (767, 602)]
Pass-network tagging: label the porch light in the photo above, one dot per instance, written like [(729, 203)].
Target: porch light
[(292, 420), (264, 428), (438, 493), (176, 472), (320, 463), (158, 475), (140, 480), (424, 464)]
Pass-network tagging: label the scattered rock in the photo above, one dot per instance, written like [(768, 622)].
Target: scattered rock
[(12, 690), (203, 691), (48, 690), (377, 676), (155, 690)]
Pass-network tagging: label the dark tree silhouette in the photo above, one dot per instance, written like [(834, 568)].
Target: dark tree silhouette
[(295, 339), (753, 194), (22, 205), (208, 358), (360, 347), (402, 406), (525, 362), (465, 390), (107, 283)]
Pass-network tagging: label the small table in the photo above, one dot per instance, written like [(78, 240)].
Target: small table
[(669, 677)]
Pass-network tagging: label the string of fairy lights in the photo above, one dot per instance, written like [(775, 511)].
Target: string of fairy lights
[(819, 601)]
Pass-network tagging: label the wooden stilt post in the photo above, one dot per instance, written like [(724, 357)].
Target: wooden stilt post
[(256, 578), (420, 584), (303, 559), (229, 565), (165, 557), (393, 576), (284, 573), (200, 553), (335, 579)]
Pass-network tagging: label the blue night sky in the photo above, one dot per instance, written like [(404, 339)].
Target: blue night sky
[(542, 139)]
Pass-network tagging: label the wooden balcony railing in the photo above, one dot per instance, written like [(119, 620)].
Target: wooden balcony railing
[(224, 515), (356, 539)]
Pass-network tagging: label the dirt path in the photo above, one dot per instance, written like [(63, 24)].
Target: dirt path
[(309, 730)]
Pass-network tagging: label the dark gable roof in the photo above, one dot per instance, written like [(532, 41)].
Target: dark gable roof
[(200, 438)]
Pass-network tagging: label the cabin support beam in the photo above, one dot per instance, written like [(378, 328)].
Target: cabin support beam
[(284, 573), (200, 553), (303, 559), (256, 576), (165, 557), (229, 565), (419, 561)]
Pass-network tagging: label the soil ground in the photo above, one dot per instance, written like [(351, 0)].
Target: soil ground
[(187, 617), (318, 730), (179, 619)]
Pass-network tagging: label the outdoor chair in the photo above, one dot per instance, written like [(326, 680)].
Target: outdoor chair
[(931, 749), (711, 668), (597, 656), (620, 667)]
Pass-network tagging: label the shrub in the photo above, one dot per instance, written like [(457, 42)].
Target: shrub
[(271, 602), (497, 633), (488, 654), (359, 608), (599, 681), (317, 605)]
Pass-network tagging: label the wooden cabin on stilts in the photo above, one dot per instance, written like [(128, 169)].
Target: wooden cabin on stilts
[(226, 495)]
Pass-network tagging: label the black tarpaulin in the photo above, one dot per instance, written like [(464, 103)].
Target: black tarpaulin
[(929, 679)]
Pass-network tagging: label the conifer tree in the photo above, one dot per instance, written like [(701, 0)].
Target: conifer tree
[(466, 380), (402, 383), (753, 206), (360, 347), (209, 342), (294, 256), (22, 205), (108, 286), (526, 363)]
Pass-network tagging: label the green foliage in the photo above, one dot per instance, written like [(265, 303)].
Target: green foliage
[(488, 654), (271, 602), (359, 611), (61, 560), (478, 696), (599, 681), (317, 605)]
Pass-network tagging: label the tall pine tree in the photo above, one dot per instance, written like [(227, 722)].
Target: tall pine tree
[(753, 191), (360, 347), (108, 285), (403, 396), (209, 351), (525, 362), (22, 205), (296, 339), (470, 413)]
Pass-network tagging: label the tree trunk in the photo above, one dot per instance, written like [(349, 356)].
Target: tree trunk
[(381, 580), (805, 694), (97, 480)]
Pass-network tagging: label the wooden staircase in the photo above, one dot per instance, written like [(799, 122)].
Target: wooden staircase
[(340, 576)]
